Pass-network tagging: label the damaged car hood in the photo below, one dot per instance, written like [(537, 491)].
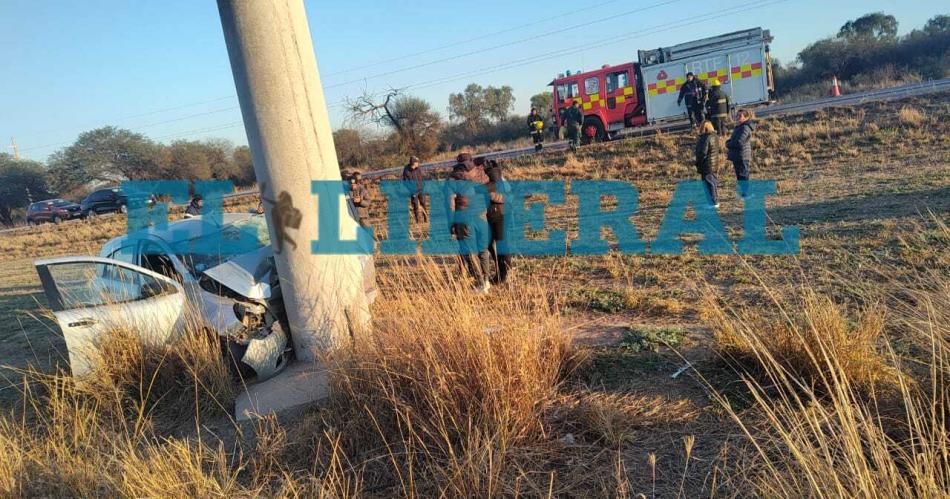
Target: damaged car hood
[(247, 274)]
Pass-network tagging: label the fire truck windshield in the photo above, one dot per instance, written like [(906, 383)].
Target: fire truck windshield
[(616, 80), (567, 90)]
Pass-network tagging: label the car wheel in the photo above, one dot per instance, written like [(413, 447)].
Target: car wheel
[(31, 223), (123, 209), (57, 220), (91, 214)]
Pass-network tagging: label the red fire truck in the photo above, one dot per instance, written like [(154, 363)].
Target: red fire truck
[(645, 92)]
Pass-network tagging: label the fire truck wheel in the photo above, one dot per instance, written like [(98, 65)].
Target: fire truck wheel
[(593, 131)]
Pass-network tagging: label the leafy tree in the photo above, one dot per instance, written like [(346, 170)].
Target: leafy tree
[(105, 154), (20, 180), (499, 102), (350, 149), (543, 102), (476, 107), (469, 107), (937, 24), (187, 159), (219, 152), (243, 166), (876, 25)]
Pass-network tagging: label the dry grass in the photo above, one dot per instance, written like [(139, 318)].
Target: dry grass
[(911, 117), (441, 398), (836, 439), (102, 436), (838, 393), (816, 341)]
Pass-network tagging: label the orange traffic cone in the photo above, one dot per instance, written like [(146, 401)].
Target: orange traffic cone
[(835, 89)]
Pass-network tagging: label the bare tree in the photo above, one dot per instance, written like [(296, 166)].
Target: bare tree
[(416, 126)]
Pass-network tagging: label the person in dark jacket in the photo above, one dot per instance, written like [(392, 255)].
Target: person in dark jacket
[(739, 146), (496, 221), (536, 128), (707, 160), (359, 194), (694, 92), (471, 237), (194, 207), (574, 120), (717, 106), (413, 175)]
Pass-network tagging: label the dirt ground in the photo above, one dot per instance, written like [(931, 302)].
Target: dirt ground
[(864, 185)]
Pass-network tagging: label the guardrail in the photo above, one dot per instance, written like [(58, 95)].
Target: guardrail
[(877, 95)]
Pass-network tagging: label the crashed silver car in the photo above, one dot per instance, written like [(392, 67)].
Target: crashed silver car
[(152, 285)]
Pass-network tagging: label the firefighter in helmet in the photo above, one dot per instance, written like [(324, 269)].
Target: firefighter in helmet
[(717, 106), (536, 128), (574, 120), (694, 92)]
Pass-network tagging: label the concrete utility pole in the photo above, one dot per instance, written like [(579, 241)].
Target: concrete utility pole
[(288, 130), (16, 148)]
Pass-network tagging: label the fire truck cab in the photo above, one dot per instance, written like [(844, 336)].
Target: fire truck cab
[(647, 91), (610, 98)]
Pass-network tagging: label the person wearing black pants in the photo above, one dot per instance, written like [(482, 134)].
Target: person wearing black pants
[(496, 221), (739, 147), (693, 92), (412, 174), (707, 161)]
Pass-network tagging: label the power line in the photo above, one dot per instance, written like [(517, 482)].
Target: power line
[(604, 42), (503, 45), (600, 43), (479, 38), (214, 128), (150, 125), (146, 113)]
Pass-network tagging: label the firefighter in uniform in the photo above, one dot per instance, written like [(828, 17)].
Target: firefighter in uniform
[(573, 120), (717, 106), (536, 128), (694, 92)]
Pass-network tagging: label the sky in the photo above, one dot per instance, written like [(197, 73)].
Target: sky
[(161, 67)]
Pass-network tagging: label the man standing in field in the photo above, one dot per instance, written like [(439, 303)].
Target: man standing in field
[(536, 128), (717, 106), (707, 161), (739, 147), (360, 197), (413, 176), (694, 92), (472, 237), (574, 120), (496, 222)]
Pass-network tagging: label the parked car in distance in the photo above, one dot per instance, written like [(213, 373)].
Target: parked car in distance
[(52, 210), (110, 200)]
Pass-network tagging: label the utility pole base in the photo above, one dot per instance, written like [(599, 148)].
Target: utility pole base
[(302, 383)]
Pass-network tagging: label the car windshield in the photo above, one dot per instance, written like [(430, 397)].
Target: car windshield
[(220, 246), (61, 202)]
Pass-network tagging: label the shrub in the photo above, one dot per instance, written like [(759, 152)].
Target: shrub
[(911, 117), (816, 342)]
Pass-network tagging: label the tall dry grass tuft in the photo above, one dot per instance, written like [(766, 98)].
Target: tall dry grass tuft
[(830, 436), (911, 117), (185, 381), (103, 434), (814, 340), (450, 388)]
